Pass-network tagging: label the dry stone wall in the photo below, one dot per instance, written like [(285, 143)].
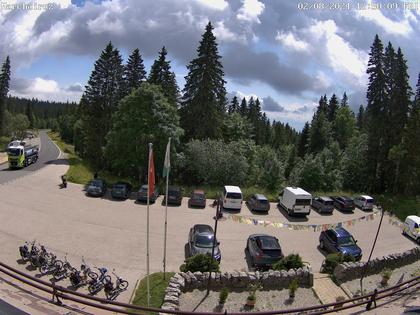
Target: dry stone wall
[(235, 281), (353, 270)]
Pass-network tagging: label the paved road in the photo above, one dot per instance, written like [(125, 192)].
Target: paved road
[(7, 309), (48, 154)]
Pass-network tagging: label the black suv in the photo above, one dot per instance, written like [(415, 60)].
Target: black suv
[(174, 196), (343, 203)]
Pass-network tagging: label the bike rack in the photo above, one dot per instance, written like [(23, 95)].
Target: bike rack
[(58, 292)]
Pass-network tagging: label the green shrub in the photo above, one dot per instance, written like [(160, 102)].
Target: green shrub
[(293, 286), (334, 259), (200, 262), (223, 295), (292, 261)]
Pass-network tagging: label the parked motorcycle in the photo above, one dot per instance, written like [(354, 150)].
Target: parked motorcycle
[(96, 285), (40, 257), (51, 265), (81, 277), (111, 290), (64, 271), (26, 252)]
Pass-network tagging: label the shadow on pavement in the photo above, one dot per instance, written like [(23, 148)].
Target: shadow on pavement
[(301, 218)]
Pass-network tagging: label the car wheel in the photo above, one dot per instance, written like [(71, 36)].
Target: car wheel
[(322, 245), (403, 232)]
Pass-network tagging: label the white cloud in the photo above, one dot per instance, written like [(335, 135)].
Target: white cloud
[(224, 34), (289, 40), (250, 11), (343, 58), (323, 82), (45, 89), (214, 4), (402, 27), (241, 95)]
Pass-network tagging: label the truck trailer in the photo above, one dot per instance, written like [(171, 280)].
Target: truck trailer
[(20, 156)]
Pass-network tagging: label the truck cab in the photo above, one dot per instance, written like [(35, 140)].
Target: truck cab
[(20, 156)]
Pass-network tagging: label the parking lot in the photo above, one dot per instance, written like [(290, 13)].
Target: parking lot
[(113, 233)]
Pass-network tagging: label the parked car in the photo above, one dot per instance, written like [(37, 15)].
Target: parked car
[(197, 199), (142, 194), (258, 202), (343, 203), (200, 241), (364, 202), (232, 198), (121, 190), (264, 250), (295, 201), (174, 196), (339, 240), (96, 188), (412, 227), (323, 204)]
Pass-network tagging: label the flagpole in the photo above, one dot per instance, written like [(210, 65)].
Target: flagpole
[(147, 233), (166, 212)]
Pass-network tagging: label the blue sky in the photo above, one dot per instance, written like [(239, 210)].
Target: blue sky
[(274, 50)]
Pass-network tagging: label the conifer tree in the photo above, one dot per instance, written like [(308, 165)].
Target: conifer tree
[(103, 91), (134, 73), (322, 105), (320, 133), (332, 108), (243, 109), (4, 90), (344, 100), (30, 114), (302, 146), (360, 120), (161, 74), (233, 106), (204, 99), (376, 116)]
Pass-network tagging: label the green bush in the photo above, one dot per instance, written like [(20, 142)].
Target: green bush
[(223, 295), (200, 262), (292, 261), (334, 259)]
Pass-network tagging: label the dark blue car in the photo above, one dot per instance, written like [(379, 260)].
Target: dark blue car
[(339, 241)]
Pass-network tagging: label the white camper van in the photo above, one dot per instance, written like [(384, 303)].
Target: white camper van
[(232, 197), (295, 200)]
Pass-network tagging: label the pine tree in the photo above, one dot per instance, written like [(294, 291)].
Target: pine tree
[(376, 117), (243, 109), (233, 106), (344, 100), (134, 73), (360, 120), (322, 106), (161, 74), (104, 90), (4, 90), (204, 99), (320, 133), (302, 146), (332, 108), (30, 114)]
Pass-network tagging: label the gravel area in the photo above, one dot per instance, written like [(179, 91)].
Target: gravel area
[(266, 300), (372, 282)]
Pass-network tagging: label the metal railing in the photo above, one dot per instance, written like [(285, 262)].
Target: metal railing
[(58, 292)]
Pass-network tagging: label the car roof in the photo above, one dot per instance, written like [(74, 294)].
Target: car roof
[(266, 241), (345, 198), (176, 188), (198, 191), (260, 197), (340, 232), (366, 196), (203, 228), (414, 218), (325, 198), (234, 189), (297, 191)]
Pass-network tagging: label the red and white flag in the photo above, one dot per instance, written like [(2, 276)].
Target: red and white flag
[(151, 173)]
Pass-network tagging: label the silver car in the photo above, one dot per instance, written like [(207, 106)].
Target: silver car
[(200, 241)]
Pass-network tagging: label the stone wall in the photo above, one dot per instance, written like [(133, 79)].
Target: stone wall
[(235, 281), (353, 270)]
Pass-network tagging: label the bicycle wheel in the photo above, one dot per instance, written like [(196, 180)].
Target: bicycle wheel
[(93, 275), (123, 285)]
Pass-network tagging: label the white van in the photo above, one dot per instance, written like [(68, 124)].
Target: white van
[(364, 202), (232, 197), (295, 200), (412, 227)]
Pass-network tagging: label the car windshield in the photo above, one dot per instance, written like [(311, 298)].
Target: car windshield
[(119, 186), (198, 196), (14, 152), (268, 243), (370, 201), (328, 202), (346, 241), (96, 183), (143, 188), (303, 202), (234, 195), (263, 201), (205, 241)]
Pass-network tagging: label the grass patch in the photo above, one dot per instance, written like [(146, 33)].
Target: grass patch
[(157, 289)]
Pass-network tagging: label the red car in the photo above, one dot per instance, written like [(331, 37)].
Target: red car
[(197, 199)]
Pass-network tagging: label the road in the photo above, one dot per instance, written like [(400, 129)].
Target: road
[(48, 154)]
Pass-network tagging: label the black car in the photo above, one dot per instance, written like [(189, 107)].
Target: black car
[(142, 194), (264, 250), (258, 202), (343, 203), (121, 190), (174, 196), (323, 204), (339, 240), (197, 199), (201, 240), (96, 188)]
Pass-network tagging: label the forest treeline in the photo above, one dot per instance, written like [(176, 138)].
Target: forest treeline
[(219, 142)]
